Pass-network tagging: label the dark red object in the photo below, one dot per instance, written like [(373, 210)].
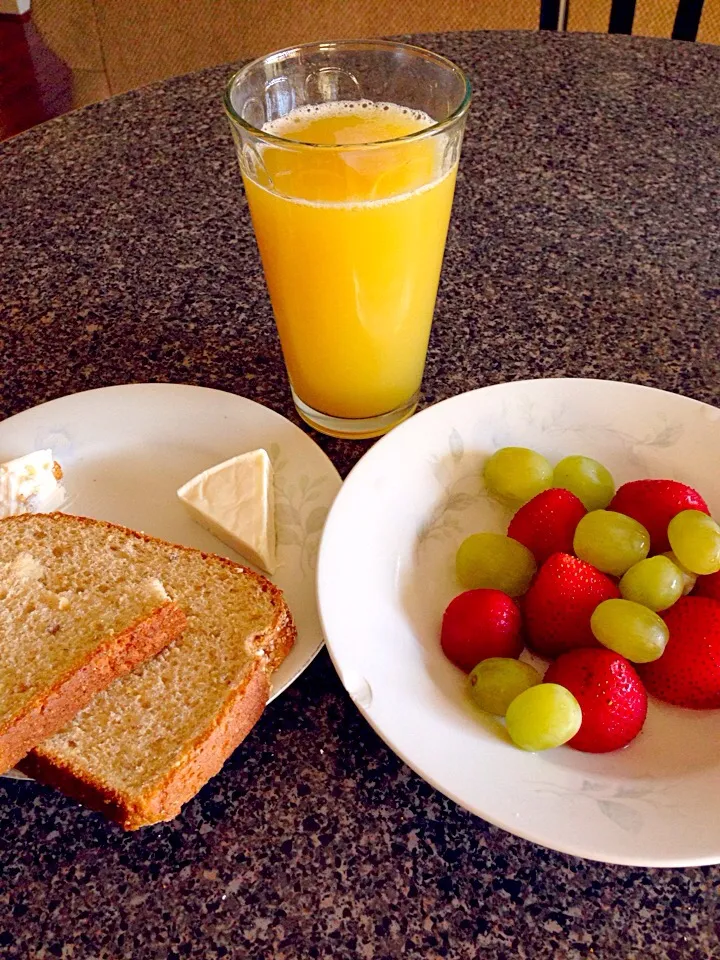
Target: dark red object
[(708, 586), (35, 84), (558, 606), (479, 624), (654, 503), (546, 524), (688, 672), (610, 693)]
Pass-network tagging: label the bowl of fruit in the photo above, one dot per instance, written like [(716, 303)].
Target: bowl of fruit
[(520, 589)]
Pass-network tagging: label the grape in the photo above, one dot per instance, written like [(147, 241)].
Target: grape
[(630, 629), (495, 682), (611, 541), (495, 561), (543, 716), (688, 577), (695, 541), (517, 474), (655, 583), (589, 480)]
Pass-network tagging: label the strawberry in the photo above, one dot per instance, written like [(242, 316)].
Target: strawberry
[(610, 693), (708, 586), (546, 524), (654, 503), (558, 606), (479, 624), (688, 672)]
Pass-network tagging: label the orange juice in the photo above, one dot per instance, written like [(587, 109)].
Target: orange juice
[(352, 242)]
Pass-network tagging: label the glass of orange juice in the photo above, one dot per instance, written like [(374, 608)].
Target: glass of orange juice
[(348, 153)]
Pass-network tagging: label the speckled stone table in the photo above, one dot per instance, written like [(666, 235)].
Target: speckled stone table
[(584, 243)]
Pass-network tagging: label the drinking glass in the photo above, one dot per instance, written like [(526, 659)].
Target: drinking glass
[(348, 153)]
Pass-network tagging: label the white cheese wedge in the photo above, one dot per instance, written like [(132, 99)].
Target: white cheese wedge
[(235, 500), (28, 483)]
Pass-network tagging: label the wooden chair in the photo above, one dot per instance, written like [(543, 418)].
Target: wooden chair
[(678, 19)]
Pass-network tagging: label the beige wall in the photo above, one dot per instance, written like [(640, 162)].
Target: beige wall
[(709, 29), (133, 42), (592, 16), (70, 29), (115, 45)]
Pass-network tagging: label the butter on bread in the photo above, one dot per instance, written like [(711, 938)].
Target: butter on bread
[(28, 482)]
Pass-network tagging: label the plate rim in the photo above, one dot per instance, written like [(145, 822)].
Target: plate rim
[(349, 483), (160, 386)]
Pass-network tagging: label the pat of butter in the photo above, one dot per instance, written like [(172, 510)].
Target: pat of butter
[(26, 482), (25, 567), (235, 500)]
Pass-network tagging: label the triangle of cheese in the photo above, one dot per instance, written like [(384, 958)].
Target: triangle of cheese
[(235, 501)]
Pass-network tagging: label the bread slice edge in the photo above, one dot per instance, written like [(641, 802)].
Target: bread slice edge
[(163, 799), (282, 630), (115, 656), (204, 757)]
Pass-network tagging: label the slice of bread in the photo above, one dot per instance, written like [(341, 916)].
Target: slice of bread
[(148, 743), (71, 622)]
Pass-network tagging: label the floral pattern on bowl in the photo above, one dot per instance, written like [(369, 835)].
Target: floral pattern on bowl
[(405, 508)]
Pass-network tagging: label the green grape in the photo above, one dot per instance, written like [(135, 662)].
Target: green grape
[(630, 629), (517, 474), (695, 540), (495, 682), (495, 561), (611, 541), (655, 583), (589, 480), (543, 716), (689, 579)]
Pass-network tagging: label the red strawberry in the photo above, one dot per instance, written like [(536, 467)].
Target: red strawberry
[(708, 586), (688, 672), (479, 624), (558, 606), (546, 524), (654, 503), (610, 693)]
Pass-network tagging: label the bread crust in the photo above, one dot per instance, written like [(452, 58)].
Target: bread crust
[(200, 759), (163, 800), (53, 708), (285, 634)]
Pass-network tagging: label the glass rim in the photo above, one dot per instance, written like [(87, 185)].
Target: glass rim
[(434, 128)]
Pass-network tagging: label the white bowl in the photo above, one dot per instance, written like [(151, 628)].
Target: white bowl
[(386, 573)]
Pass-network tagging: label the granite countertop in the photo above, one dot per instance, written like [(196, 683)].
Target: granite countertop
[(584, 243)]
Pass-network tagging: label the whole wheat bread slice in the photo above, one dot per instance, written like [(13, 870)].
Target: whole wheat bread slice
[(146, 745), (71, 622)]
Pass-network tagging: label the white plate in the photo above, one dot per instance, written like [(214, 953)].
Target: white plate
[(386, 574), (125, 451)]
